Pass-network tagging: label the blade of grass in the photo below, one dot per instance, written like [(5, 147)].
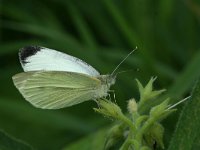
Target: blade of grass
[(188, 125), (9, 143), (184, 81), (93, 141), (48, 18), (45, 32), (82, 26), (14, 13), (101, 25), (54, 120), (9, 47), (122, 24)]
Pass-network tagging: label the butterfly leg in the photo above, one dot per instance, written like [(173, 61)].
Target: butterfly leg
[(109, 97), (97, 101), (112, 91), (114, 97)]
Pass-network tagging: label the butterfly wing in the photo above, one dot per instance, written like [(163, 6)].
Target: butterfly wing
[(55, 89), (34, 58)]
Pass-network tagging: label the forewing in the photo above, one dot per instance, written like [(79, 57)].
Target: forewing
[(34, 58), (55, 89)]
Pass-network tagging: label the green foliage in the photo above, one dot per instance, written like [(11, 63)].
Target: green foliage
[(147, 94), (93, 141), (103, 32), (9, 143), (186, 135), (143, 130)]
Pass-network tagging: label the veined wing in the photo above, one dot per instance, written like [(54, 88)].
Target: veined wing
[(34, 58), (55, 89)]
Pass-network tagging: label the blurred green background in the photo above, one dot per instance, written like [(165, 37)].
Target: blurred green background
[(102, 33)]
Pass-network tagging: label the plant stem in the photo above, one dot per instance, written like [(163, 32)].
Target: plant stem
[(126, 144), (130, 142), (144, 128), (128, 122), (132, 129)]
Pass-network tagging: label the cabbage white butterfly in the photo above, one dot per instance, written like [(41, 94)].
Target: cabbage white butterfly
[(53, 80)]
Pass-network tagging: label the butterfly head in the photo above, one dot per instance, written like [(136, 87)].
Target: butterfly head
[(111, 79), (107, 79)]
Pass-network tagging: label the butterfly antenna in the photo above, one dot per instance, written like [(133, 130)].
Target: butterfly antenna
[(123, 60), (120, 72), (183, 100)]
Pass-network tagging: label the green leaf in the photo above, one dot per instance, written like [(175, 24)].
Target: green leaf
[(109, 109), (114, 135), (187, 132), (93, 141), (82, 26), (9, 143), (122, 24), (147, 93), (155, 134), (54, 120)]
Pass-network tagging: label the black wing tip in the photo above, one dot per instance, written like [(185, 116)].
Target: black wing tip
[(28, 51)]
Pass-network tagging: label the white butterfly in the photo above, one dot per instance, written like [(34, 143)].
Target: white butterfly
[(53, 80)]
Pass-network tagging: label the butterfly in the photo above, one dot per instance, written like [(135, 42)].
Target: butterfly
[(53, 80)]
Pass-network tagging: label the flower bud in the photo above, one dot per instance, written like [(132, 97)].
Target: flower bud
[(132, 106), (109, 109)]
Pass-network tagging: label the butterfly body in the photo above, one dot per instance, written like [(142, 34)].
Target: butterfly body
[(54, 80), (106, 82)]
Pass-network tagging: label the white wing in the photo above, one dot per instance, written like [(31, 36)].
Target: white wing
[(35, 58)]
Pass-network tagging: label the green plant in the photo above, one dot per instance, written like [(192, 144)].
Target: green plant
[(140, 130)]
